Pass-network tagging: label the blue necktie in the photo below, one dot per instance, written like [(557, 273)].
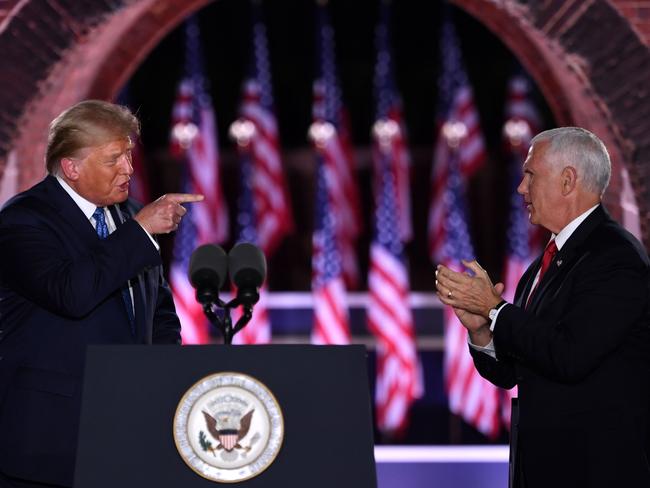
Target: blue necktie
[(102, 232)]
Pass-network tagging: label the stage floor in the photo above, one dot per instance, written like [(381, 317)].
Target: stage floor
[(442, 466)]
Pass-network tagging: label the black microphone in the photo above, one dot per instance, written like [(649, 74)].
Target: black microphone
[(247, 268), (208, 268)]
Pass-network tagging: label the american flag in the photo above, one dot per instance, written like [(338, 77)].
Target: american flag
[(139, 183), (456, 113), (336, 151), (328, 287), (524, 239), (389, 315), (271, 202), (258, 330), (389, 106), (470, 396), (458, 153), (194, 137)]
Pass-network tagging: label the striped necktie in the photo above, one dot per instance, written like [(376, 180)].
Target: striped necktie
[(102, 233)]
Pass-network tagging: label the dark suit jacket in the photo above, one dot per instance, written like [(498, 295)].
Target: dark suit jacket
[(60, 291), (580, 354)]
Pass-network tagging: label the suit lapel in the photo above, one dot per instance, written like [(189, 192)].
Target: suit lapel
[(70, 211), (568, 255), (527, 282)]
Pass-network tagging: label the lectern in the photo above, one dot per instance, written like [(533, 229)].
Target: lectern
[(135, 396)]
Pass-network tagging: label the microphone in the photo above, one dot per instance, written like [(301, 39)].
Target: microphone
[(207, 272), (247, 268)]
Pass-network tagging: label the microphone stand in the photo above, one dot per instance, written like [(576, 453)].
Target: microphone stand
[(224, 324)]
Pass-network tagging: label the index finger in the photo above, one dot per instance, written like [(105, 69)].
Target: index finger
[(474, 266), (448, 275), (185, 197)]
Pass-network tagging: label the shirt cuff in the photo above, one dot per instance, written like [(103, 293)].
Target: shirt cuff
[(153, 241), (487, 349), (496, 316)]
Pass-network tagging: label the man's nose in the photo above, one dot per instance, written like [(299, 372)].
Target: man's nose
[(127, 165), (522, 189)]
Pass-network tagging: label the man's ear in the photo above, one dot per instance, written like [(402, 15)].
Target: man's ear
[(70, 169), (569, 178)]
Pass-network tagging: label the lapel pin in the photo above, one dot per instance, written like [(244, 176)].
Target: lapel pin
[(559, 263)]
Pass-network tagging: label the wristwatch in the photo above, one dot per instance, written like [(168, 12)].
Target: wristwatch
[(492, 314)]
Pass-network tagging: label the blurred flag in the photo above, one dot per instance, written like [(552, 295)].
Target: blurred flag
[(194, 138), (139, 183), (470, 396), (336, 151), (258, 329), (389, 315), (328, 288), (270, 199), (458, 153), (458, 121), (524, 240), (389, 106)]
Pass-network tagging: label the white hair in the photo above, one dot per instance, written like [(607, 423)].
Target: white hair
[(577, 147)]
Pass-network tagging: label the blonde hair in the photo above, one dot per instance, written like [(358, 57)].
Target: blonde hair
[(86, 124)]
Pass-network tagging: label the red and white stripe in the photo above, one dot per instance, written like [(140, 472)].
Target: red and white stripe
[(470, 396), (472, 155), (229, 441), (330, 314), (336, 152), (391, 322), (331, 324), (210, 215), (258, 330), (195, 327), (272, 207)]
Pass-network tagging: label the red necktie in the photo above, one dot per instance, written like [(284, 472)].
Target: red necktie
[(549, 254)]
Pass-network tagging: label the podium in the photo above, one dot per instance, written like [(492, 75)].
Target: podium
[(131, 395)]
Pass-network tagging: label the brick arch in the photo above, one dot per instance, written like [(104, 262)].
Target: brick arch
[(601, 86), (62, 54), (92, 50)]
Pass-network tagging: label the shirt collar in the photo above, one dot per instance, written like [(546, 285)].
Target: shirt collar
[(88, 208), (565, 233)]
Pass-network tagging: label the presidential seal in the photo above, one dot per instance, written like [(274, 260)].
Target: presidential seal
[(228, 427)]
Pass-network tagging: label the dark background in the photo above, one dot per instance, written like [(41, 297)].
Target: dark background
[(225, 31), (225, 28)]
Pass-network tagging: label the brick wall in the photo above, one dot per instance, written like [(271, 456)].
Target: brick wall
[(589, 57), (593, 65)]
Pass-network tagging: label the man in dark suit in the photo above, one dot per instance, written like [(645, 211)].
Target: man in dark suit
[(576, 340), (78, 266)]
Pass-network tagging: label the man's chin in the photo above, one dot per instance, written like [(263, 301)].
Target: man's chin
[(120, 197)]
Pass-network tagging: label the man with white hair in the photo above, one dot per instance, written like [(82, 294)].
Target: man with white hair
[(576, 340)]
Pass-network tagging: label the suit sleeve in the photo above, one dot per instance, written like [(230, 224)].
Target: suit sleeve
[(166, 326), (500, 373), (607, 300), (34, 264)]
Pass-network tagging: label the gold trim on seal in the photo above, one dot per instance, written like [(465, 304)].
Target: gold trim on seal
[(210, 384)]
